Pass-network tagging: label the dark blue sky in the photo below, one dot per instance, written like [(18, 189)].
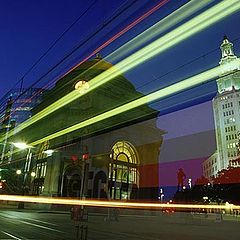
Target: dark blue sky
[(29, 27)]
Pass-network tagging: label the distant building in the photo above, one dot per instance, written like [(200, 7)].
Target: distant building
[(22, 103), (15, 108), (226, 107), (210, 166)]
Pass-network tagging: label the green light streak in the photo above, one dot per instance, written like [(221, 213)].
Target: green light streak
[(181, 33), (169, 21), (173, 89)]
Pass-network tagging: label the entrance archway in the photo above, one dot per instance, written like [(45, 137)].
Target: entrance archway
[(71, 182), (123, 174)]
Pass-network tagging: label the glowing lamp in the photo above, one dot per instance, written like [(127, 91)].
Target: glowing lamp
[(82, 86), (85, 156)]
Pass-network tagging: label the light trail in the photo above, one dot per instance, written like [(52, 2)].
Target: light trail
[(112, 204), (169, 21), (108, 42), (130, 26), (173, 89), (134, 60)]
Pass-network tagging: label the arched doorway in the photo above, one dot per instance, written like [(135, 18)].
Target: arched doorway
[(71, 182), (123, 174)]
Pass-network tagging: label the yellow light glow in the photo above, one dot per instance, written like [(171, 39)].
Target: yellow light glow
[(82, 86), (21, 145), (118, 204), (181, 33), (18, 172), (169, 21), (173, 89)]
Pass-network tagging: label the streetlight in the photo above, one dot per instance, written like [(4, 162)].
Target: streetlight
[(190, 183), (22, 146), (161, 195), (49, 152)]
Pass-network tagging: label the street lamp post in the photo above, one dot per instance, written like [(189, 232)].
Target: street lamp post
[(25, 190)]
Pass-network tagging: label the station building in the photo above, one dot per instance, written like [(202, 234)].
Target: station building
[(114, 157)]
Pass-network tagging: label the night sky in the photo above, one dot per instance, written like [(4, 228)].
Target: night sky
[(29, 28)]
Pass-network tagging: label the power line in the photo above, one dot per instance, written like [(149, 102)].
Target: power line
[(78, 46), (54, 43), (116, 14), (156, 78)]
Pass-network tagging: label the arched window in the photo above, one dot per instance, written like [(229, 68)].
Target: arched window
[(123, 174)]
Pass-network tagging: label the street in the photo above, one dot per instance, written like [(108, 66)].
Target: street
[(35, 224)]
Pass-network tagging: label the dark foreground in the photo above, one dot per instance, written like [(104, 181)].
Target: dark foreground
[(43, 225)]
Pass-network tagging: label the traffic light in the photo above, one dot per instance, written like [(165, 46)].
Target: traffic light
[(85, 155), (74, 158)]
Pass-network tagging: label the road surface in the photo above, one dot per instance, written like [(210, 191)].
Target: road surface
[(33, 224)]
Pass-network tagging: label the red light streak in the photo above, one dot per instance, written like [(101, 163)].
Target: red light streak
[(130, 26)]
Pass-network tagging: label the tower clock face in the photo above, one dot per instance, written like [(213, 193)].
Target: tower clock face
[(82, 86)]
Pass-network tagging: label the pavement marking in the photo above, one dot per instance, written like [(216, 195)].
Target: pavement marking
[(32, 219), (137, 216), (12, 236), (40, 226), (35, 220)]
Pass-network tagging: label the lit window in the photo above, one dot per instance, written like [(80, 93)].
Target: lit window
[(123, 169)]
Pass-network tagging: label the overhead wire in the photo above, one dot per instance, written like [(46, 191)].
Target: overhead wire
[(102, 78), (55, 42), (205, 76), (116, 14)]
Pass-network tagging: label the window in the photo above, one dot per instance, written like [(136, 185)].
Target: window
[(38, 182), (123, 173)]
